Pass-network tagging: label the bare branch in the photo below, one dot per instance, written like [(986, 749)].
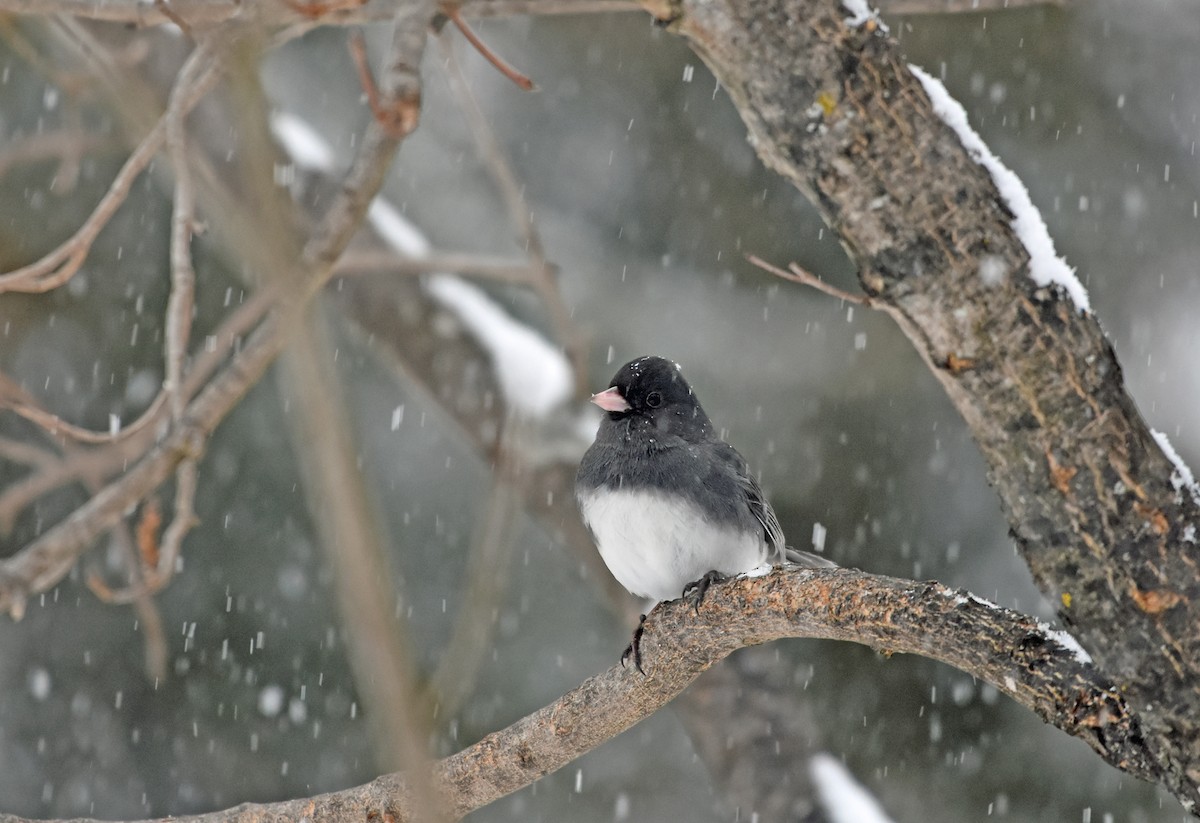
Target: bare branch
[(59, 265), (519, 79), (959, 6), (183, 276), (40, 564), (355, 544), (199, 14), (482, 266), (1015, 653), (66, 146)]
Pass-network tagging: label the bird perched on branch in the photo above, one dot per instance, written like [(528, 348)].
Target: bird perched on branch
[(672, 507)]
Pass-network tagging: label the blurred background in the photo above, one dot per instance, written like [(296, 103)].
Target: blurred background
[(646, 195)]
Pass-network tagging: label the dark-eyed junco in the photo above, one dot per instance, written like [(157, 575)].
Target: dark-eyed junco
[(670, 504)]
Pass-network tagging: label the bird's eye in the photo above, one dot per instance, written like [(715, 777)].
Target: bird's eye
[(654, 399)]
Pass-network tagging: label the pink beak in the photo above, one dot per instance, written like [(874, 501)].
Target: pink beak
[(611, 400)]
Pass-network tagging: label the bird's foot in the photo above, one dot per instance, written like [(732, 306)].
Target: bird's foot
[(634, 649), (694, 592)]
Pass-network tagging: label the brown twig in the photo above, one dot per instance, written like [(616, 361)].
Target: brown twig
[(65, 145), (19, 451), (796, 274), (398, 116), (181, 301), (272, 13), (154, 640), (523, 82), (41, 563), (481, 266), (59, 265), (316, 9)]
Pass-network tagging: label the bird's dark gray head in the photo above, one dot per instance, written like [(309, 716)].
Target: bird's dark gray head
[(649, 393)]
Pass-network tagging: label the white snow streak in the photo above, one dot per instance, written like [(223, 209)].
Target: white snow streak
[(534, 376), (861, 12), (396, 230), (308, 149), (1045, 266), (1182, 478), (1067, 641), (844, 799)]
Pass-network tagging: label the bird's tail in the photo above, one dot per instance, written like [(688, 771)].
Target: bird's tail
[(808, 559)]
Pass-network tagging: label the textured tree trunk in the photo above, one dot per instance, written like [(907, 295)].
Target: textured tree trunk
[(1100, 513)]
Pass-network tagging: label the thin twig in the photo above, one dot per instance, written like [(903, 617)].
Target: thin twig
[(20, 451), (65, 145), (514, 200), (154, 640), (397, 116), (43, 562), (796, 274), (183, 275), (20, 402), (182, 521), (59, 265), (481, 266), (496, 60)]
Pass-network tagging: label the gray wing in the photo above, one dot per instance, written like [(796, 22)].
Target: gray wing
[(757, 502), (764, 514), (777, 549)]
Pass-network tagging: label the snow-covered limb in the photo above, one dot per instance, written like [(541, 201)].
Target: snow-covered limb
[(1046, 267), (1182, 478)]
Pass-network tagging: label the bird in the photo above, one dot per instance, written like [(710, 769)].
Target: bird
[(671, 506)]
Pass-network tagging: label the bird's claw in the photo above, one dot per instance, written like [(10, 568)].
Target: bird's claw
[(634, 649), (694, 592)]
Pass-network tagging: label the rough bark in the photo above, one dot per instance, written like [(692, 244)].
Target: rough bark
[(1013, 652), (1094, 504)]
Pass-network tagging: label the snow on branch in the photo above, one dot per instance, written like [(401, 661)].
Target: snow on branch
[(1046, 267)]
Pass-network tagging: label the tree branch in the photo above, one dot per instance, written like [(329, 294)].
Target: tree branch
[(44, 561), (1097, 508), (1020, 656)]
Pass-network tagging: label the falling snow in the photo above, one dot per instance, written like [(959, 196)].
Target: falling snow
[(844, 799)]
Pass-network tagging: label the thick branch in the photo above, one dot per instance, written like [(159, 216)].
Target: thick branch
[(1013, 652), (1089, 494)]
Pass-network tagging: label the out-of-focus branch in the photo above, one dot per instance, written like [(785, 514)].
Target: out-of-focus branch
[(481, 266), (545, 282), (488, 563), (59, 265), (200, 14), (66, 146), (41, 563), (356, 548), (958, 6), (1015, 653)]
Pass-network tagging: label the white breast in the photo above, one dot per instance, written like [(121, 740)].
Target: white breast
[(655, 547)]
